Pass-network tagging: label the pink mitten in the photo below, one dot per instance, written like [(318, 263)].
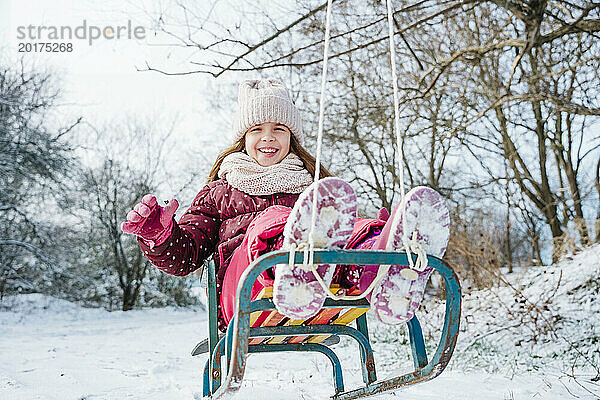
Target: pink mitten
[(150, 221)]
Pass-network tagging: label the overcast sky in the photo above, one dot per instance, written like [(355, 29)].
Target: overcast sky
[(100, 81)]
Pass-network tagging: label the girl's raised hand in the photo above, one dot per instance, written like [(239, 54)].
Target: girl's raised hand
[(148, 219)]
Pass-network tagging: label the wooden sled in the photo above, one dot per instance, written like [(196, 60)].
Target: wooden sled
[(258, 328)]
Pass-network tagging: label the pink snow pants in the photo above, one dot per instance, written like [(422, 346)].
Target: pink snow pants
[(264, 234)]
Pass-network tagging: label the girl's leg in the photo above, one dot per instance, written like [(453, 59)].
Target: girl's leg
[(296, 292), (348, 276), (366, 230), (400, 293)]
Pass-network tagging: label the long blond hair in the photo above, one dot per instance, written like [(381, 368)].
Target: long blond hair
[(295, 147)]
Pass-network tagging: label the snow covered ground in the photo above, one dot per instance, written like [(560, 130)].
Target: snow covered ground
[(537, 340)]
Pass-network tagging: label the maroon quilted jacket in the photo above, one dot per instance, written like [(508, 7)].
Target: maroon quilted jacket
[(215, 224)]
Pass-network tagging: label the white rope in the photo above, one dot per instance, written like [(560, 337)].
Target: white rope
[(413, 245), (410, 244), (399, 138), (319, 136)]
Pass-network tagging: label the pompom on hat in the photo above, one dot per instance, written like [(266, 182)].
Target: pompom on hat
[(265, 100)]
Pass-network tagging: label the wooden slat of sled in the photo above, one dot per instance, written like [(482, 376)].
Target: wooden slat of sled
[(273, 319), (291, 322), (265, 318), (345, 317), (340, 316), (322, 318)]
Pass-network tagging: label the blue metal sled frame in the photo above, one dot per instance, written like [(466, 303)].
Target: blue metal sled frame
[(234, 345)]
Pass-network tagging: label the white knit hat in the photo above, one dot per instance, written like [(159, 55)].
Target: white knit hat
[(266, 100)]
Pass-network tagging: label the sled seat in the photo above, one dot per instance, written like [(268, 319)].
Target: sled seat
[(331, 314)]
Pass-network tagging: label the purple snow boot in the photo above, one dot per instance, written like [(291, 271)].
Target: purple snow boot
[(400, 293), (296, 292)]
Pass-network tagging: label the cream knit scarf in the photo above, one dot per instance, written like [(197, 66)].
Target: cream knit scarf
[(246, 174)]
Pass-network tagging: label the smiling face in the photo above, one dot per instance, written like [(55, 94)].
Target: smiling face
[(268, 143)]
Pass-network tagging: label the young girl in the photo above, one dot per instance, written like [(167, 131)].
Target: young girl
[(259, 199)]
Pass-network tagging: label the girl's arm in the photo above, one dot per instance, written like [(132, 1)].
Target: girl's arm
[(192, 240)]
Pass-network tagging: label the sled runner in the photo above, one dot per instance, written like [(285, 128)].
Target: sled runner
[(258, 328)]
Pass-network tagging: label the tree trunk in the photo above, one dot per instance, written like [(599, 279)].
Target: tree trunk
[(537, 251), (544, 191), (508, 244), (565, 160), (507, 233), (128, 298)]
